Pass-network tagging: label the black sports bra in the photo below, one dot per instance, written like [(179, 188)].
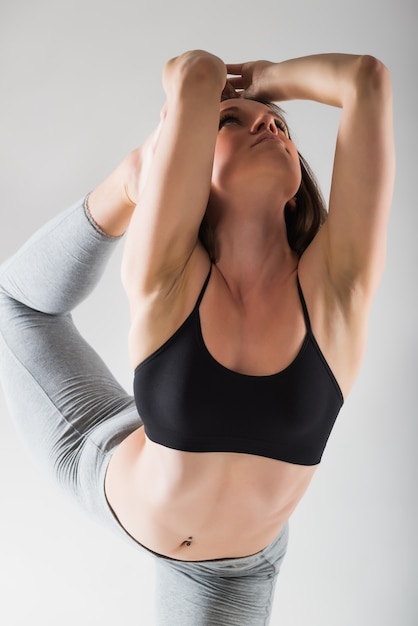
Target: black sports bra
[(188, 401)]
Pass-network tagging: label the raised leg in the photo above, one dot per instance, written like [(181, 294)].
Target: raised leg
[(63, 399)]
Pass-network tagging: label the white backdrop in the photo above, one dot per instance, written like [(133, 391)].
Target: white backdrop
[(80, 86)]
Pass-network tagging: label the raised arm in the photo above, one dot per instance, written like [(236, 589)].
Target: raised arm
[(174, 191), (351, 245)]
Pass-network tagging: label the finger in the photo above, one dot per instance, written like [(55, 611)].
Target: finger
[(237, 82), (228, 92), (234, 68)]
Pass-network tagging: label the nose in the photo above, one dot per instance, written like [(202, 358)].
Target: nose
[(264, 122)]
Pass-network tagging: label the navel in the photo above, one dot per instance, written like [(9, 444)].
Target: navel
[(187, 542)]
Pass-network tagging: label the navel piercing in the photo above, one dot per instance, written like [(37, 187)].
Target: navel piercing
[(188, 541)]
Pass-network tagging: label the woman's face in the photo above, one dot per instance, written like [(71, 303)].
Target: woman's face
[(254, 141)]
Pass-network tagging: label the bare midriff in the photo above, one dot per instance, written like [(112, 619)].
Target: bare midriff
[(197, 506)]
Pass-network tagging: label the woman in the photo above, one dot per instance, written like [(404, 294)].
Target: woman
[(244, 340)]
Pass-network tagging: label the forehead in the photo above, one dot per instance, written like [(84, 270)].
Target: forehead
[(244, 105)]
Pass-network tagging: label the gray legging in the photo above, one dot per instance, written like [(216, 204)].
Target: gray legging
[(73, 413)]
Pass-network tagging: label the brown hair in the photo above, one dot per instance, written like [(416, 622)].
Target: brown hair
[(303, 221)]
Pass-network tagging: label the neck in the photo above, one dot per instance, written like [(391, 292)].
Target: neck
[(252, 246)]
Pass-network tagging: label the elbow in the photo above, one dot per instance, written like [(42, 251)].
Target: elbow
[(372, 77), (196, 70)]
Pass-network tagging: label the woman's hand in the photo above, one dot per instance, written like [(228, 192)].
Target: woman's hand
[(253, 80), (229, 92)]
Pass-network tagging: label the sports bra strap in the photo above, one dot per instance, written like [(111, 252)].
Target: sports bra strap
[(202, 292), (301, 297), (304, 307)]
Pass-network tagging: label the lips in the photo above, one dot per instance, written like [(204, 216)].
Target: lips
[(267, 137)]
